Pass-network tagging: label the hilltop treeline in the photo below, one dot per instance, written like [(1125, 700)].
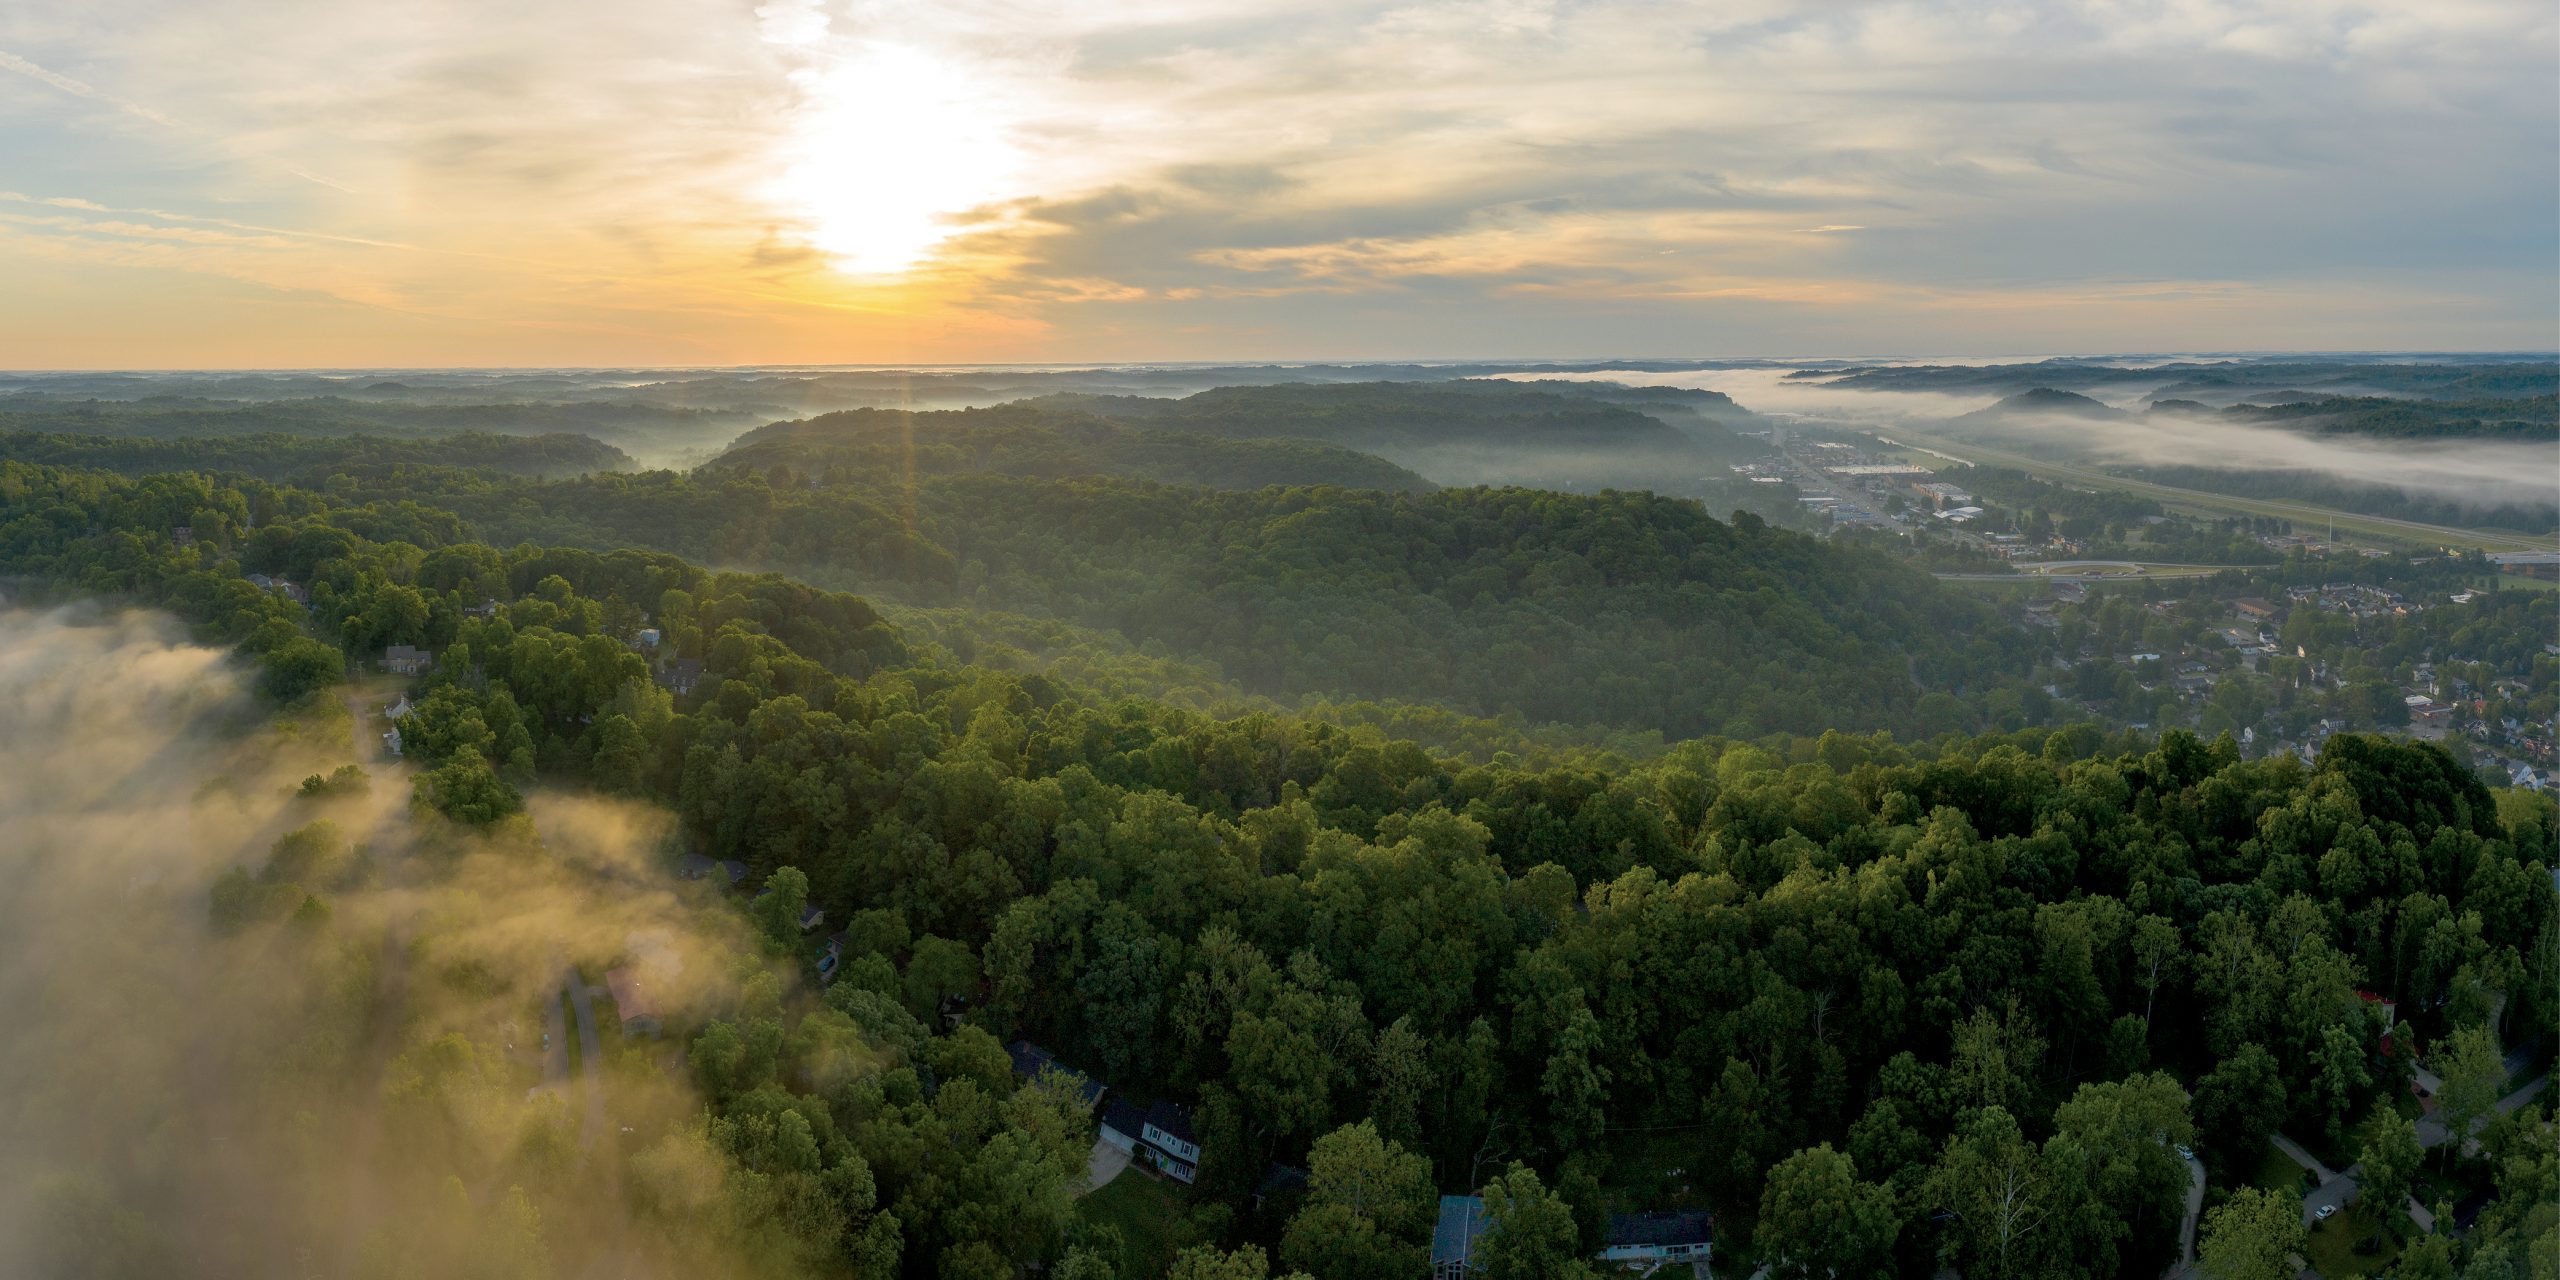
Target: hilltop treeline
[(1621, 609), (272, 455), (1934, 982), (880, 447)]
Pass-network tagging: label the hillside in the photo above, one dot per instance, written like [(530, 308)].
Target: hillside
[(1626, 609), (2535, 418), (2042, 402), (874, 446), (1454, 433), (278, 456)]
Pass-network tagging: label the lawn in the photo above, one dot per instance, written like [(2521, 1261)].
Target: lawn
[(2333, 1249), (2276, 1171), (1149, 1213)]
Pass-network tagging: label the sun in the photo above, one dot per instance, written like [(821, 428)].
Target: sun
[(894, 145)]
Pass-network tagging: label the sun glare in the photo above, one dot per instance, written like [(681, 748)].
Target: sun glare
[(895, 147)]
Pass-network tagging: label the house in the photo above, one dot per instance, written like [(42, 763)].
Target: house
[(1454, 1238), (2254, 608), (811, 917), (694, 866), (1658, 1237), (1030, 1062), (391, 741), (1121, 1124), (681, 676), (485, 609), (1176, 1151), (400, 710), (182, 535), (736, 872), (280, 586), (648, 637), (632, 1002), (405, 660)]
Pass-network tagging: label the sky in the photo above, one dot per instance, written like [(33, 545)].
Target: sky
[(360, 183)]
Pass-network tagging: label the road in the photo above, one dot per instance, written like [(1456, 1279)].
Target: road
[(2302, 513), (2339, 1189), (2186, 1265), (582, 999), (2125, 571)]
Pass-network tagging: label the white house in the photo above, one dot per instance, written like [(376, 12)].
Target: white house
[(1175, 1149)]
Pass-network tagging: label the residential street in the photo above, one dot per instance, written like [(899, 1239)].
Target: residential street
[(590, 1058), (2340, 1188), (2186, 1264)]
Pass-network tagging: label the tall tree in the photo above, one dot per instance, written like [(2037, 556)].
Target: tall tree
[(1368, 1212), (1529, 1231), (1818, 1222), (2252, 1236), (2388, 1160), (2473, 1074)]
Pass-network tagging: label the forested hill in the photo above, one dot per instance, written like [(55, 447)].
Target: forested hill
[(1883, 1011), (1456, 433), (1621, 609), (881, 446), (277, 456), (2530, 419), (657, 430)]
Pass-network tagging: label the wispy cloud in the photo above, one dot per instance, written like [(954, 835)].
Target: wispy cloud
[(1075, 180)]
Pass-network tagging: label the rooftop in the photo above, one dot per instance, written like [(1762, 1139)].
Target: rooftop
[(1461, 1225)]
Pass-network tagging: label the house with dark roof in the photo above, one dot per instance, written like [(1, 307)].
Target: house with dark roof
[(1030, 1062), (1635, 1241), (406, 660), (735, 871), (694, 866), (632, 1003), (1121, 1124), (681, 676), (1680, 1236), (1168, 1143)]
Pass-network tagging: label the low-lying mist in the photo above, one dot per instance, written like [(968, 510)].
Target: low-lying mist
[(2474, 474), (257, 1029)]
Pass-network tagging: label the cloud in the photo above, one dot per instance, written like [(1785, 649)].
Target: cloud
[(1207, 156)]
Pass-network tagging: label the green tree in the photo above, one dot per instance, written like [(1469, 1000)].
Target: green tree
[(1369, 1209), (2473, 1074), (2252, 1236), (2388, 1160), (1818, 1222), (1529, 1231), (2238, 1106), (778, 908)]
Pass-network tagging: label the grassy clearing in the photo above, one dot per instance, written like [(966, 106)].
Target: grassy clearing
[(2333, 1249), (1148, 1212), (2276, 1171)]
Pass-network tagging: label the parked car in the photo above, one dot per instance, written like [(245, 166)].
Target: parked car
[(2324, 1211)]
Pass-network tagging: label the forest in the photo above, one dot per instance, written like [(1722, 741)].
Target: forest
[(1879, 1003), (879, 448)]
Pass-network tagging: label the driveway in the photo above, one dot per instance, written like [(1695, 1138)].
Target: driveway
[(2187, 1226), (1106, 1163)]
